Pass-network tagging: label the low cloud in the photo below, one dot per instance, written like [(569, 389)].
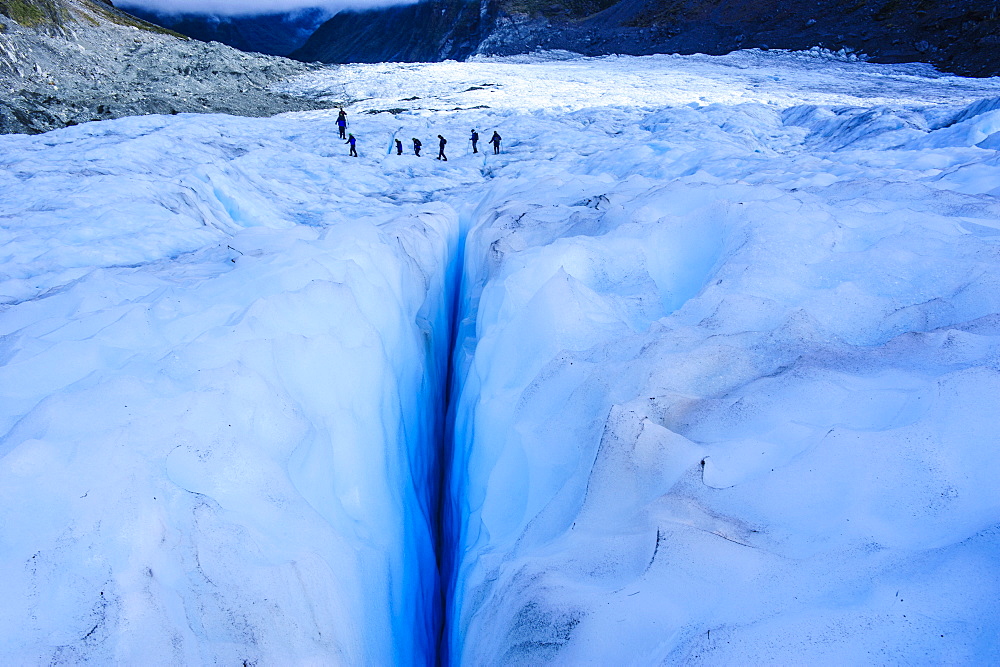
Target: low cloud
[(250, 7)]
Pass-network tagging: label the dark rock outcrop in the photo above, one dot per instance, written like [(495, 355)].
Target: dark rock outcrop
[(960, 36), (426, 31)]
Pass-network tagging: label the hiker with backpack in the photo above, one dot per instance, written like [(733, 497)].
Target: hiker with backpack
[(342, 124)]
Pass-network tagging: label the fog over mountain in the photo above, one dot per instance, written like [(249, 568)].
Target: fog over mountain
[(274, 34)]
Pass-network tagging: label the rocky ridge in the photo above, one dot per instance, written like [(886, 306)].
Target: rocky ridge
[(958, 36), (64, 62)]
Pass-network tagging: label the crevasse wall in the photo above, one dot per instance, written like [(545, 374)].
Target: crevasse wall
[(725, 390)]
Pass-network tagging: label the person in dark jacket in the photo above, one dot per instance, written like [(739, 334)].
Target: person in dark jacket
[(354, 145), (342, 124), (495, 140), (475, 141), (416, 146), (399, 147), (442, 141)]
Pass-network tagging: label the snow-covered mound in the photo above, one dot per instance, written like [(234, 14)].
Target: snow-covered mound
[(723, 376)]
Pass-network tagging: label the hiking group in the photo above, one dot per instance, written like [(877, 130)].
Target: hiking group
[(417, 144), (495, 140)]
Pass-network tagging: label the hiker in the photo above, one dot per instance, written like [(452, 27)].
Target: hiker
[(495, 140), (354, 145), (475, 141), (416, 146), (342, 124), (441, 143), (399, 147)]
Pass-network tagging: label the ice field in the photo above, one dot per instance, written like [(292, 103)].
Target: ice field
[(704, 367)]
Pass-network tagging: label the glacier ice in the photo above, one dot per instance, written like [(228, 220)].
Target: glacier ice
[(220, 400), (706, 409), (723, 338)]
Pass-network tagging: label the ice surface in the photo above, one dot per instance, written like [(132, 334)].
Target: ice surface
[(220, 398), (729, 378), (724, 377)]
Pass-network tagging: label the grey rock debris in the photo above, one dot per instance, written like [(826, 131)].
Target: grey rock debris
[(81, 61)]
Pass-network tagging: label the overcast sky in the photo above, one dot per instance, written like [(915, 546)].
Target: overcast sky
[(245, 7)]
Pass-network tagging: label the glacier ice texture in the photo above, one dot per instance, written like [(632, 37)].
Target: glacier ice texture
[(701, 368)]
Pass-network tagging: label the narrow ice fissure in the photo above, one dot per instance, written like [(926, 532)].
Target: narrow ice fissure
[(444, 536), (446, 541)]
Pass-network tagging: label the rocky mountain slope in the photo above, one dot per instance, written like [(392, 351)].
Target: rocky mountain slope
[(426, 31), (64, 62), (956, 35), (273, 34)]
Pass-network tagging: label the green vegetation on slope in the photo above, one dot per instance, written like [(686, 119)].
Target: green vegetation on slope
[(47, 13), (32, 13)]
